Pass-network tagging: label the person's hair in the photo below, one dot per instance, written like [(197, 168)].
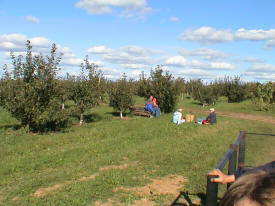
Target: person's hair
[(257, 188)]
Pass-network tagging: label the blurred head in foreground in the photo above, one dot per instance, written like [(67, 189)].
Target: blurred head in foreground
[(253, 189)]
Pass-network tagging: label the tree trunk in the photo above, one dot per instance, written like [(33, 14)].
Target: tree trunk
[(181, 95), (81, 119), (63, 105), (121, 115)]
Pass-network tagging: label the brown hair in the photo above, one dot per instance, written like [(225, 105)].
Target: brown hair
[(257, 188)]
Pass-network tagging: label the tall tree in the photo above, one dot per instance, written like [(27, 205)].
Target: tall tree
[(30, 91), (87, 88), (163, 88), (121, 95)]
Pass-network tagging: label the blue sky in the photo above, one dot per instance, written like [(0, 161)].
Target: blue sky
[(205, 39)]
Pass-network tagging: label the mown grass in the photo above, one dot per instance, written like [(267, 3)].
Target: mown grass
[(159, 148)]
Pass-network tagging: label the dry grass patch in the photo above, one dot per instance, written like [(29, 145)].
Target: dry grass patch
[(142, 202), (168, 185), (42, 192)]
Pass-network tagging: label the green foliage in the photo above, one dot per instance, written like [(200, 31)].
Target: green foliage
[(30, 91), (163, 88), (263, 96), (204, 93), (234, 89), (143, 86), (180, 86), (86, 89), (121, 95), (63, 88)]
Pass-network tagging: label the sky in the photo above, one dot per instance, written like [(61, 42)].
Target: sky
[(198, 39)]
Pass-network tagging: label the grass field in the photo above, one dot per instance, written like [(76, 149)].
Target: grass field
[(108, 159)]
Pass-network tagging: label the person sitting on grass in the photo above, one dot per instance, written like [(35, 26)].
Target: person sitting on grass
[(149, 106), (211, 118), (155, 103), (177, 117)]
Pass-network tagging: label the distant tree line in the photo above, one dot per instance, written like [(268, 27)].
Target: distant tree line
[(33, 94)]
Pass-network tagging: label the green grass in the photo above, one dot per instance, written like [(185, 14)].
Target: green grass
[(32, 161)]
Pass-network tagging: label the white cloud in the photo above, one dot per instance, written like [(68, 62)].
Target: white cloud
[(270, 44), (73, 61), (262, 76), (134, 66), (263, 68), (16, 43), (261, 72), (125, 58), (17, 38), (180, 61), (135, 74), (99, 50), (196, 74), (207, 35), (8, 46), (211, 35), (206, 54), (220, 66), (111, 73), (139, 51), (255, 35), (32, 19), (128, 56), (129, 8), (173, 18), (40, 42), (252, 59)]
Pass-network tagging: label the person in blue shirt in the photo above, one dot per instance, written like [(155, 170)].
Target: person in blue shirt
[(149, 106), (177, 117)]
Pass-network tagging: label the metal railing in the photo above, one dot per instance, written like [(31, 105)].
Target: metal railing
[(235, 152)]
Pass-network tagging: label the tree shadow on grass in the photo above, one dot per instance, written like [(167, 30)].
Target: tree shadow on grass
[(88, 118), (92, 117), (116, 114), (11, 126), (183, 199), (196, 103)]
